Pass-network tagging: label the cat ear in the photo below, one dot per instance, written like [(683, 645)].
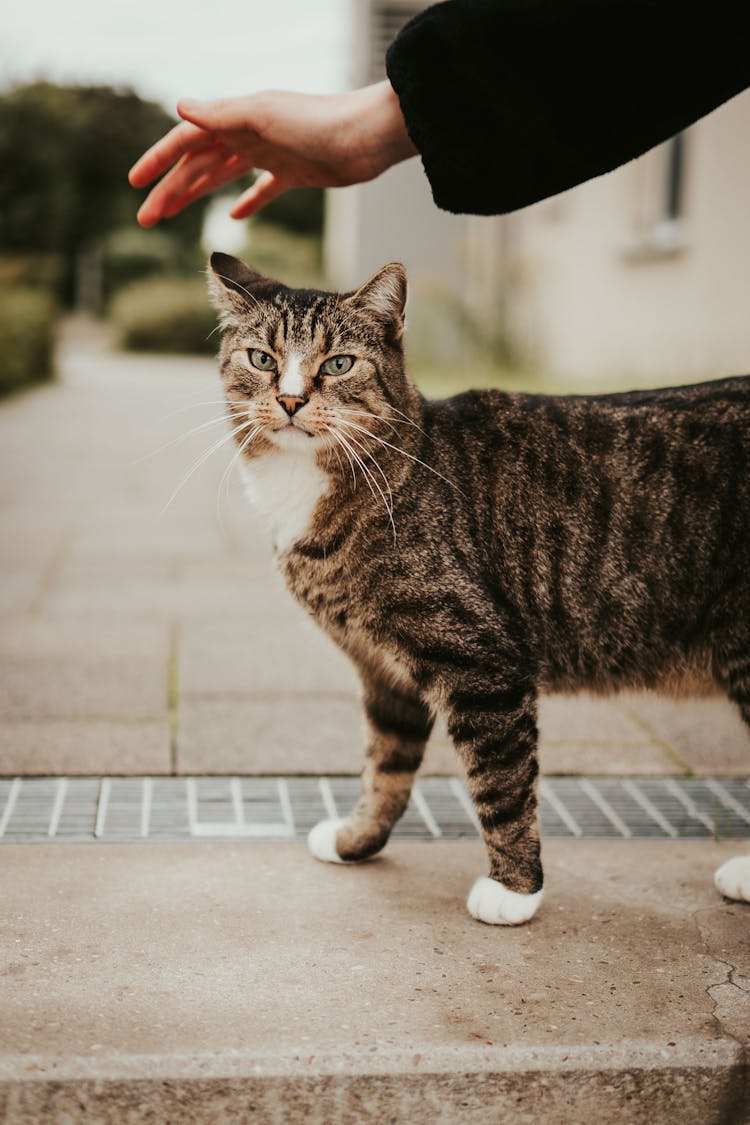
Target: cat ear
[(384, 295), (234, 287)]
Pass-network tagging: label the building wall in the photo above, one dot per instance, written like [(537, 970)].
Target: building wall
[(394, 217), (595, 283)]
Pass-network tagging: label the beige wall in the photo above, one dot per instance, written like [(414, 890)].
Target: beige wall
[(587, 285), (588, 294)]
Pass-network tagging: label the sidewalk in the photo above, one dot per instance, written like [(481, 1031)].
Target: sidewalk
[(140, 642), (237, 982)]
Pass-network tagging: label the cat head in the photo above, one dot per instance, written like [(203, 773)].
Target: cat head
[(308, 366)]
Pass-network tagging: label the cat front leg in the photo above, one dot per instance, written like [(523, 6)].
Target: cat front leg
[(399, 724), (493, 726)]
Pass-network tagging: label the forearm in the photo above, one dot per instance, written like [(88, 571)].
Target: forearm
[(510, 101)]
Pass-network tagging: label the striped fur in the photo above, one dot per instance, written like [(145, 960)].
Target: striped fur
[(503, 545)]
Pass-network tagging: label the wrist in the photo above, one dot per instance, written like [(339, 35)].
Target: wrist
[(382, 136)]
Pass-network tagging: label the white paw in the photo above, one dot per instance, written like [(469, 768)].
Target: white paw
[(489, 901), (321, 841), (733, 878)]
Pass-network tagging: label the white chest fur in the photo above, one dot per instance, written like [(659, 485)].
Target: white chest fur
[(285, 487)]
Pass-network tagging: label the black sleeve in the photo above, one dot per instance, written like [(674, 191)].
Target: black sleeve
[(511, 101)]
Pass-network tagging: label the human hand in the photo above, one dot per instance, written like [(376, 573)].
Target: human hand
[(299, 140)]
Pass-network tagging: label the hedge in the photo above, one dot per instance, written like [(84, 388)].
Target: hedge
[(27, 337), (165, 315)]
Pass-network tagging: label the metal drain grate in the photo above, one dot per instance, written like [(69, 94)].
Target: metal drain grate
[(128, 809)]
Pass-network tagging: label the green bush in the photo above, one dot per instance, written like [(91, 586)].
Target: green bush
[(31, 270), (293, 258), (132, 254), (165, 315), (27, 336), (301, 211)]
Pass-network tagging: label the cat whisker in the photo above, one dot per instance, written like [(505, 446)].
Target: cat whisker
[(332, 447), (408, 419), (346, 451), (182, 437), (203, 458), (226, 475), (194, 406), (369, 475), (368, 453), (368, 414), (403, 452)]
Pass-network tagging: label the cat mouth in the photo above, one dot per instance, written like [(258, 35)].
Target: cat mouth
[(292, 426)]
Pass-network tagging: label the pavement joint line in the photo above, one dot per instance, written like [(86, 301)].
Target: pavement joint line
[(655, 738), (173, 694)]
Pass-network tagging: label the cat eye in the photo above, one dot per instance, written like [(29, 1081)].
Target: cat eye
[(337, 365), (262, 360)]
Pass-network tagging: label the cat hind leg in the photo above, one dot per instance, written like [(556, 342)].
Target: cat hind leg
[(732, 879)]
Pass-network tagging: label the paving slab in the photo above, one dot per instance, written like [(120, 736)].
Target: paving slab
[(31, 638), (707, 735), (225, 983), (285, 732), (86, 550), (87, 746), (281, 653), (52, 688)]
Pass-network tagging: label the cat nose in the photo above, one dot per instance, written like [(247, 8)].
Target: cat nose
[(291, 403)]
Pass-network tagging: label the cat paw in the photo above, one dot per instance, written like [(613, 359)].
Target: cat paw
[(489, 901), (321, 841), (733, 878)]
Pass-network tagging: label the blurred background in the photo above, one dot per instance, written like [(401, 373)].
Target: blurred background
[(640, 277), (141, 627)]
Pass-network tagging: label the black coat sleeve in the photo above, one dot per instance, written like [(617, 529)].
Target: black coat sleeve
[(511, 101)]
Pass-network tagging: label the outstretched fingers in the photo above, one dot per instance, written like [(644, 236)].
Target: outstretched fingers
[(266, 187), (211, 180), (183, 138)]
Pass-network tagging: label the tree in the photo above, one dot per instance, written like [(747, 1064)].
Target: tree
[(65, 152)]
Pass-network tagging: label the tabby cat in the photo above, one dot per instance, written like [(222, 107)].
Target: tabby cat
[(471, 553)]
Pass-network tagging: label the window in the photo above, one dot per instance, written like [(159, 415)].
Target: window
[(659, 202)]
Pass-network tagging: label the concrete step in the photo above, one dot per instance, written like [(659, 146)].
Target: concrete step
[(228, 982)]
